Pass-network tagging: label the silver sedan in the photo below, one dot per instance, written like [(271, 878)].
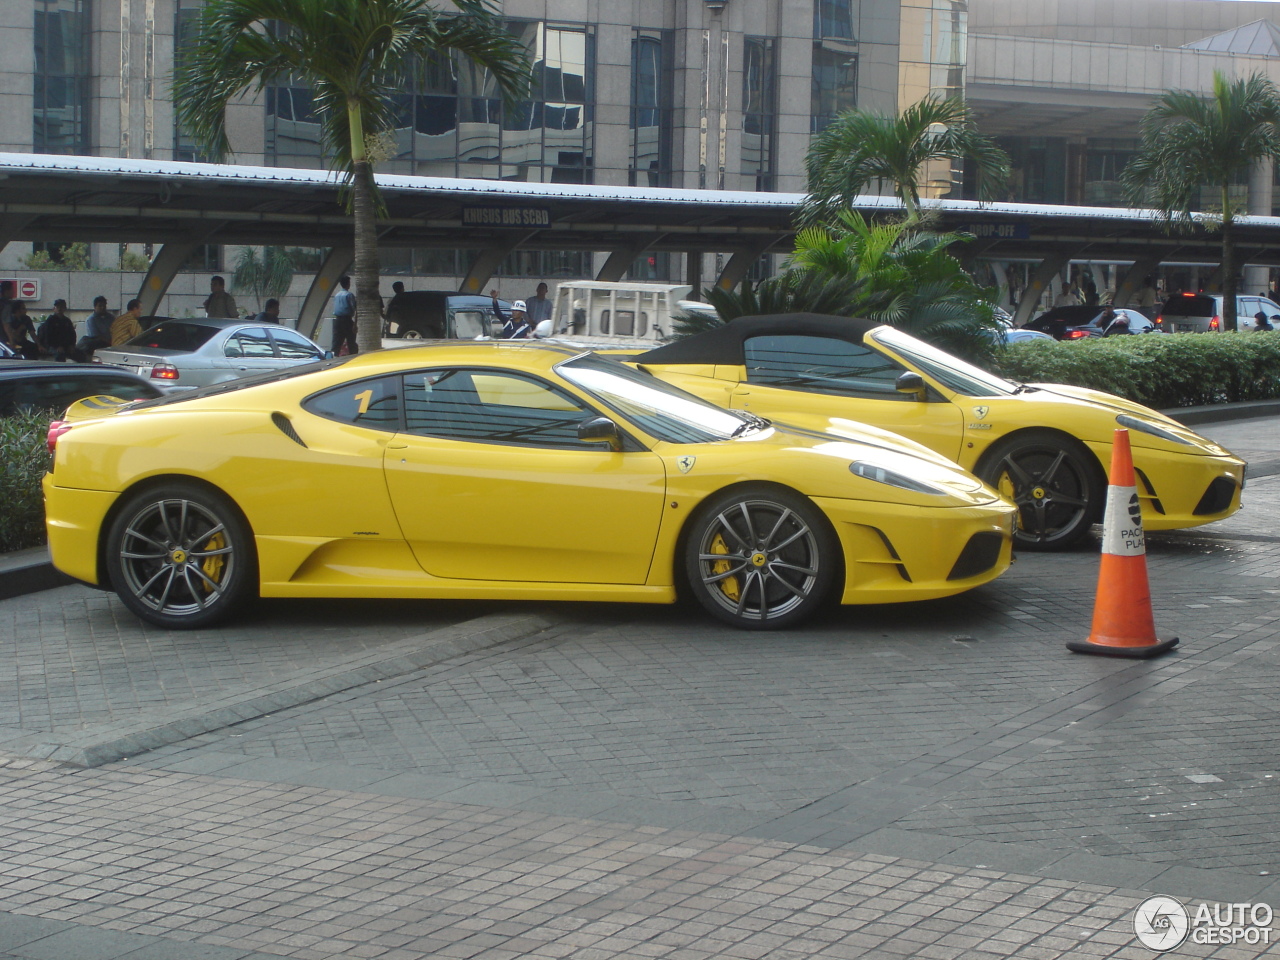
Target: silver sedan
[(185, 354)]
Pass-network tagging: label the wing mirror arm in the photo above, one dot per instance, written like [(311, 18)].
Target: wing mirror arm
[(600, 430), (910, 382)]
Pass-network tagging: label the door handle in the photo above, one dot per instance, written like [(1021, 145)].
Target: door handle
[(396, 445)]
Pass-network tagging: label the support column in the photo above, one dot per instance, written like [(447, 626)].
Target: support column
[(620, 260), (1045, 272), (173, 256), (693, 273), (1261, 180), (487, 262), (742, 261), (1131, 283), (337, 262), (11, 225)]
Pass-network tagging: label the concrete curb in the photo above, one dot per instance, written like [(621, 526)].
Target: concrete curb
[(1219, 412), (28, 571), (106, 743)]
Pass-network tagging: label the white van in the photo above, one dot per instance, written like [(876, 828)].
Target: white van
[(603, 311)]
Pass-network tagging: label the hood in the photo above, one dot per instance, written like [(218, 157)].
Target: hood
[(1119, 405)]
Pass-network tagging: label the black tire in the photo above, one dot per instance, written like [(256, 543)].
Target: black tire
[(761, 558), (181, 556), (1055, 482)]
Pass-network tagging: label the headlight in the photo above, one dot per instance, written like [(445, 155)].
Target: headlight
[(1154, 429), (873, 471)]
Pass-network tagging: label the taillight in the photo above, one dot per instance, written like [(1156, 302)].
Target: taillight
[(1159, 320), (164, 371), (1076, 334), (56, 429), (1215, 323)]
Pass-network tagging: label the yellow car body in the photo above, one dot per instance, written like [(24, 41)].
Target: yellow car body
[(1045, 446), (458, 471)]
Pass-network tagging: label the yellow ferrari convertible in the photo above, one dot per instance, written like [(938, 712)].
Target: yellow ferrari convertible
[(506, 471), (1045, 446)]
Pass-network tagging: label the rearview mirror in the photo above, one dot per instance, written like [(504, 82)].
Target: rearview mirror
[(910, 382), (600, 430)]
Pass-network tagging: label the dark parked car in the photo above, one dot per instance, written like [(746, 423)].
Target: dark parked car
[(1057, 321), (40, 384), (441, 315)]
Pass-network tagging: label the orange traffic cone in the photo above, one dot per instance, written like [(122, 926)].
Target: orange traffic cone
[(1123, 625)]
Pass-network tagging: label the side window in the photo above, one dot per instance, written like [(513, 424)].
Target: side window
[(369, 403), (493, 407), (251, 342), (294, 346), (823, 365)]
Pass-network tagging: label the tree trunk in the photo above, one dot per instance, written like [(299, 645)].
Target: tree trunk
[(1228, 266), (368, 303)]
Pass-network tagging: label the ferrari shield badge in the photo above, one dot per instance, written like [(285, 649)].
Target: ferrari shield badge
[(685, 463), (981, 412)]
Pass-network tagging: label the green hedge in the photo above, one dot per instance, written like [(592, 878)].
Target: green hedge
[(1159, 370), (24, 458)]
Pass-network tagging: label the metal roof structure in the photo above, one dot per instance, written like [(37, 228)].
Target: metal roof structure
[(182, 205), (104, 199)]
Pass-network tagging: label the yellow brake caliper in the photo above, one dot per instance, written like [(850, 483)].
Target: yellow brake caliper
[(1005, 487), (213, 566), (729, 585)]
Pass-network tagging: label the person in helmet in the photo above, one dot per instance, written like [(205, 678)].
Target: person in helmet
[(516, 326)]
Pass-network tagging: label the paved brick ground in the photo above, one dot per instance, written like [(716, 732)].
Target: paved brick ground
[(935, 780)]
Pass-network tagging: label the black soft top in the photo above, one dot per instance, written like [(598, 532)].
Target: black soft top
[(724, 344)]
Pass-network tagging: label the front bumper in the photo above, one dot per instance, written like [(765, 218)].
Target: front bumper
[(895, 553), (1172, 487)]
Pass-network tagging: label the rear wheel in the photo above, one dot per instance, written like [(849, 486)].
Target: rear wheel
[(181, 556), (761, 559), (1054, 482)]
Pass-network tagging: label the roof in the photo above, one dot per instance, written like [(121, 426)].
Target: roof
[(724, 344), (1261, 38)]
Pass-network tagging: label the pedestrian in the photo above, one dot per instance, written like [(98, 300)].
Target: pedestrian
[(6, 307), (395, 306), (97, 329), (344, 319), (270, 312), (1090, 290), (516, 326), (57, 335), (21, 332), (1261, 323), (128, 325), (1065, 297), (219, 303), (539, 307)]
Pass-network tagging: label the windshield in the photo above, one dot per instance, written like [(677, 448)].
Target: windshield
[(661, 410), (952, 372), (175, 335), (243, 383)]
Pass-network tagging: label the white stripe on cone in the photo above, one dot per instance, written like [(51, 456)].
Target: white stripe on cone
[(1122, 533)]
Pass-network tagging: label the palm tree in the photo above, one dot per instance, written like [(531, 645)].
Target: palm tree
[(356, 55), (859, 148), (1189, 141), (263, 277)]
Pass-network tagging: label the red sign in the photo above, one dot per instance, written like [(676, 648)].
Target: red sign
[(23, 288)]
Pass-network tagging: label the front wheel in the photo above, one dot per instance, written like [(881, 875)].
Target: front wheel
[(761, 559), (181, 556), (1054, 482)]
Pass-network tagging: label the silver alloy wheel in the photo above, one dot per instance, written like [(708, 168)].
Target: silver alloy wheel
[(758, 559), (176, 557)]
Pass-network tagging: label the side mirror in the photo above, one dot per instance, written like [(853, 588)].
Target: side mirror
[(328, 354), (600, 430), (910, 382)]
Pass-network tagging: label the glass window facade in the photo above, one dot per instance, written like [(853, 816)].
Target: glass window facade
[(186, 27), (833, 18), (453, 122), (651, 108), (835, 83), (759, 110), (60, 122)]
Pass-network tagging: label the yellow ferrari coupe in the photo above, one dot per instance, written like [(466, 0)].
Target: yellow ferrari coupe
[(506, 471), (1045, 446)]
